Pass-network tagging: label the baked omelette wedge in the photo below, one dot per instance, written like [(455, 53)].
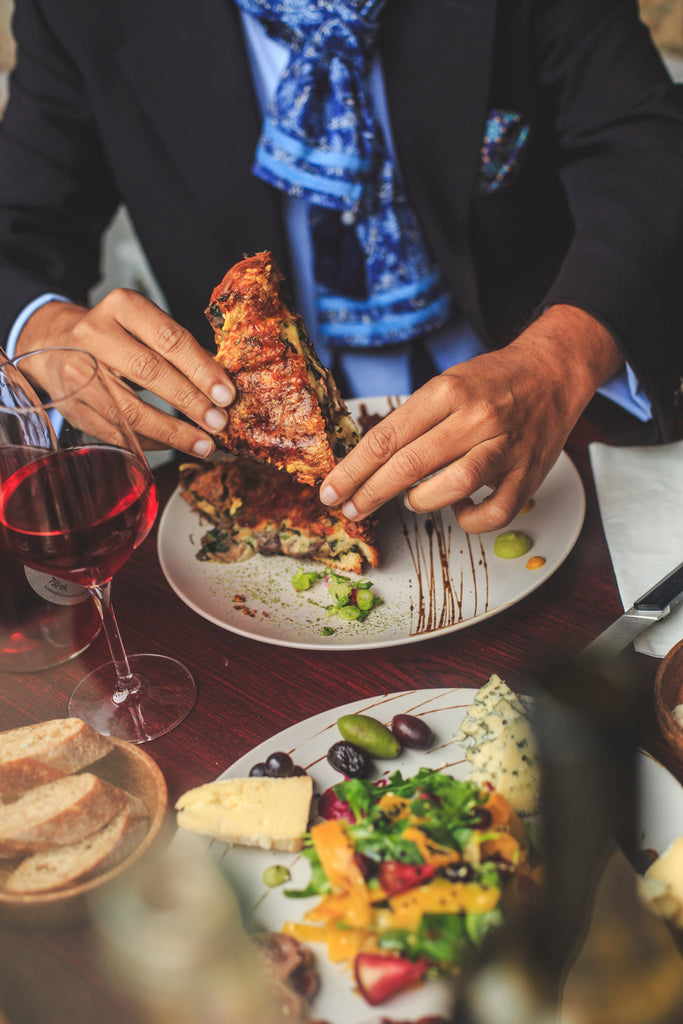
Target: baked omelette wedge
[(255, 508), (288, 410)]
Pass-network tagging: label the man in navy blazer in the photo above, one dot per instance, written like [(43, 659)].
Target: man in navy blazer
[(568, 268)]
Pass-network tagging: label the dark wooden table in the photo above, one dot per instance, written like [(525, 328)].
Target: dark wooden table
[(247, 691)]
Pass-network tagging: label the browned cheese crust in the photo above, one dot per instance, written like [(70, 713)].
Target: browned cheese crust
[(288, 410), (256, 508)]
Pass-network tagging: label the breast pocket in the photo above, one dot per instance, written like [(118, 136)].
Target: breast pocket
[(504, 139)]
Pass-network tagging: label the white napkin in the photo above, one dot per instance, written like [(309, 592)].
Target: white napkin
[(640, 494)]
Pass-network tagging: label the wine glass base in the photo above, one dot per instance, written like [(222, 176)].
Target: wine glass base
[(165, 696)]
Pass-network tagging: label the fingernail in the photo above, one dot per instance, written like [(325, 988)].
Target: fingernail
[(221, 394), (202, 448), (350, 510), (406, 502), (328, 495), (216, 419)]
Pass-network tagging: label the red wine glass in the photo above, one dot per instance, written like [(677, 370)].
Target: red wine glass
[(77, 500), (43, 620)]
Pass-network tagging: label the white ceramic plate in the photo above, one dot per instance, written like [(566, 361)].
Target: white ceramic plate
[(308, 743), (433, 579)]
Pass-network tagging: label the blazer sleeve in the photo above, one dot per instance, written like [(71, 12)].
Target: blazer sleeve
[(619, 135), (56, 192)]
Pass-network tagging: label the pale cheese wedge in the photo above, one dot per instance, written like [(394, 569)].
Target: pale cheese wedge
[(265, 812), (662, 885), (501, 747), (509, 762), (486, 700)]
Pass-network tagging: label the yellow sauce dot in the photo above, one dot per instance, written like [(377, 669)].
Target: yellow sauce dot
[(527, 507), (536, 562)]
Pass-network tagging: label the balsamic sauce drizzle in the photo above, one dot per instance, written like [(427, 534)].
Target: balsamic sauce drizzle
[(441, 585), (435, 608)]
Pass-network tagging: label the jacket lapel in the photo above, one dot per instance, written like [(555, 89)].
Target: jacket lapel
[(196, 89), (437, 59), (197, 93)]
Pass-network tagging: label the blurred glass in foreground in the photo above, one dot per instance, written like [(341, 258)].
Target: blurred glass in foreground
[(171, 935), (589, 952)]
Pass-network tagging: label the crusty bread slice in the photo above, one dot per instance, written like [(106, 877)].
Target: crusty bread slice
[(97, 853), (35, 754), (58, 813)]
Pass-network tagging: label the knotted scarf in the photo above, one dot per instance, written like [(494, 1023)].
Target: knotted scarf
[(321, 141)]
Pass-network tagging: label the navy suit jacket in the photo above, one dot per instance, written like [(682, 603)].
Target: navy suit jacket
[(150, 103)]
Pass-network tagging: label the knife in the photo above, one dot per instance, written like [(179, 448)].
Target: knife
[(653, 606)]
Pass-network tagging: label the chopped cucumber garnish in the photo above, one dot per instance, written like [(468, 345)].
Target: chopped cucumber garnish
[(352, 600), (349, 611), (305, 580), (365, 600)]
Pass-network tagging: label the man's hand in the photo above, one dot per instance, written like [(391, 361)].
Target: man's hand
[(148, 349), (499, 420)]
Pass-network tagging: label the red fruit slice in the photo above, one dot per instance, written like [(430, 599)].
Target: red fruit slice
[(379, 977), (330, 806), (397, 877)]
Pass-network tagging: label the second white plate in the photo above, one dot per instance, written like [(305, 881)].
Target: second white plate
[(307, 742)]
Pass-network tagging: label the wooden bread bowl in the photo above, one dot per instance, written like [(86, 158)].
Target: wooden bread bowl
[(133, 770)]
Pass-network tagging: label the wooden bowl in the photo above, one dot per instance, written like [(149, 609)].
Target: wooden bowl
[(129, 767), (668, 693)]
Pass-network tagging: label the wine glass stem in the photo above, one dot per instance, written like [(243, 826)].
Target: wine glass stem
[(126, 681)]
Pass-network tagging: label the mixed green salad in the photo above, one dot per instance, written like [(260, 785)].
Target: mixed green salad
[(411, 875)]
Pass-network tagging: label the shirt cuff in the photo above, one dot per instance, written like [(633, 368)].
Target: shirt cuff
[(624, 389), (26, 313)]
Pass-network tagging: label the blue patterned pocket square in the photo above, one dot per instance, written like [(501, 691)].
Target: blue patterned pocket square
[(504, 139)]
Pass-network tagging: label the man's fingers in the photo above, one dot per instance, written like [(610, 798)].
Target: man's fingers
[(156, 428), (177, 370), (482, 466), (404, 446), (168, 344), (493, 512)]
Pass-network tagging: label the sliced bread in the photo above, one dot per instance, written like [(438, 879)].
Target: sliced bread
[(77, 862), (58, 813), (35, 754)]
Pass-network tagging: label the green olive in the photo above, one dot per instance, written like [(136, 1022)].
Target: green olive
[(276, 874), (511, 544), (370, 735)]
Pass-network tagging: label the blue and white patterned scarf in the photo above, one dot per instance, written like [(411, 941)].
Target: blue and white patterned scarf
[(320, 141)]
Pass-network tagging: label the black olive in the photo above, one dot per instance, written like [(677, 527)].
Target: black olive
[(279, 765), (502, 865), (349, 760), (412, 732), (458, 872), (367, 867), (480, 817)]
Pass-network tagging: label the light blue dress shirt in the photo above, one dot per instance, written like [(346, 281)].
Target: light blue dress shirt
[(367, 372)]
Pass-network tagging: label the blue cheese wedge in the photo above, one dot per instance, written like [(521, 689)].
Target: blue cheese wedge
[(484, 705), (500, 745), (265, 812), (495, 722), (510, 763)]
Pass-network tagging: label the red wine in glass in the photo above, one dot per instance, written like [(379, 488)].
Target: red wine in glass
[(44, 620), (79, 512)]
